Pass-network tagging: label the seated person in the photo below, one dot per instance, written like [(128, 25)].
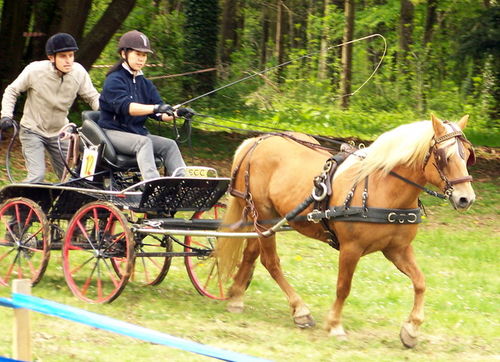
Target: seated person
[(127, 100)]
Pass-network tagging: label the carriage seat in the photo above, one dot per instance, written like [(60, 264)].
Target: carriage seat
[(92, 133)]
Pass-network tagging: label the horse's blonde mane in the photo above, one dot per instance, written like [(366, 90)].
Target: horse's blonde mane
[(404, 145)]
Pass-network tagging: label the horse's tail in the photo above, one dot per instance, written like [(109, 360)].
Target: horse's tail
[(229, 251)]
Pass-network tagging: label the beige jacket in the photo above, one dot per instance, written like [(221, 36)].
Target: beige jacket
[(49, 96)]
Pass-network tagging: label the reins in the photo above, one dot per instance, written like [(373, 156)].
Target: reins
[(9, 150)]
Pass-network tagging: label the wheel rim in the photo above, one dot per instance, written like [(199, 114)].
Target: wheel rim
[(203, 270), (98, 253), (24, 241)]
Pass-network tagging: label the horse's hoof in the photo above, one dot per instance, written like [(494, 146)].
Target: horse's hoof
[(305, 321), (408, 335), (338, 333), (235, 307)]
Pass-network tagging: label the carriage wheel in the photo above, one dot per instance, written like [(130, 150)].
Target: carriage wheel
[(24, 241), (203, 270), (149, 269), (97, 241)]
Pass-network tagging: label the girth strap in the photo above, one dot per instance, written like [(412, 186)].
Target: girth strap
[(371, 214)]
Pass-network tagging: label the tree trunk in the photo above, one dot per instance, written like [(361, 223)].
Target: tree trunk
[(279, 49), (74, 15), (346, 77), (430, 20), (15, 21), (229, 30), (323, 54), (265, 36), (43, 13), (200, 50), (98, 37), (426, 66), (405, 31)]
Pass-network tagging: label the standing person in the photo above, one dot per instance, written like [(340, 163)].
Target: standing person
[(52, 86), (127, 100)]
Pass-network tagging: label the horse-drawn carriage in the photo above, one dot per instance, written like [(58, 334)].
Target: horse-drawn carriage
[(111, 227)]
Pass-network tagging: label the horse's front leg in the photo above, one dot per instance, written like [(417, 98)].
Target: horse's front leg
[(243, 277), (348, 259), (404, 259), (269, 258)]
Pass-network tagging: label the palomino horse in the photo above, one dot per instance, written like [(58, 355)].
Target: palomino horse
[(275, 174)]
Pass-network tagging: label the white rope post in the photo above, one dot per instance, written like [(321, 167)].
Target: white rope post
[(21, 341)]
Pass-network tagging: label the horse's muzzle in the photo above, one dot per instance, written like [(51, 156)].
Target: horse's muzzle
[(462, 202)]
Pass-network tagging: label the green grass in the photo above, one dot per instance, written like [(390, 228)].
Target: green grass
[(457, 252)]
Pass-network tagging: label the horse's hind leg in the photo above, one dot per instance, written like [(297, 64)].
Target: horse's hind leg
[(404, 260), (269, 258), (243, 276)]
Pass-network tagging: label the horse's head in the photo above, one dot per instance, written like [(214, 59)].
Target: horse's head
[(446, 164)]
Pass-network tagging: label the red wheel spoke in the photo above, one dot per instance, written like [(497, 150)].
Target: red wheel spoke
[(28, 218), (85, 234), (209, 276), (111, 275), (9, 271), (19, 270), (18, 217), (88, 280), (12, 235), (6, 254), (114, 241), (96, 223), (109, 223), (32, 249), (78, 267), (32, 267)]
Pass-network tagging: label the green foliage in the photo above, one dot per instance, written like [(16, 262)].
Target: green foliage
[(456, 74), (200, 43)]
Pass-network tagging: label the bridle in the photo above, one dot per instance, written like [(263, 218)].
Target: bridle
[(441, 160)]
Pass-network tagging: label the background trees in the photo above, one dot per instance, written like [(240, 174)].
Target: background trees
[(442, 55)]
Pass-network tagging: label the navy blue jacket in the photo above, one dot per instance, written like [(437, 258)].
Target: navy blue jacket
[(119, 90)]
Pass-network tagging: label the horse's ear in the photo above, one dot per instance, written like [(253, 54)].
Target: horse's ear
[(439, 128), (463, 121)]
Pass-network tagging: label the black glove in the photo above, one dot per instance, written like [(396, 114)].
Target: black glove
[(6, 122), (163, 108), (184, 112)]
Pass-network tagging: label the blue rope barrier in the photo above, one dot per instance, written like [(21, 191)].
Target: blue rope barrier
[(113, 325)]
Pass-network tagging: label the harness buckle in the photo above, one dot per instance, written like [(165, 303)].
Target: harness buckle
[(324, 191), (314, 216)]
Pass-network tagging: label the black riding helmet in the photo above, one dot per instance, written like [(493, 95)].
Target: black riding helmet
[(135, 40), (60, 42)]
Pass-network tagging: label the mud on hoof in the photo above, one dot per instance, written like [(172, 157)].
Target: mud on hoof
[(408, 335), (305, 321)]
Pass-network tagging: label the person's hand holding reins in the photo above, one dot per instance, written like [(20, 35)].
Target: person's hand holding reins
[(164, 108), (184, 112)]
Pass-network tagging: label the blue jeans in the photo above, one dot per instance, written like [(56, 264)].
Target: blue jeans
[(144, 148), (34, 147)]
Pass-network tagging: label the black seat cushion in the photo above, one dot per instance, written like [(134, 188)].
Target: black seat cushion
[(94, 133)]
